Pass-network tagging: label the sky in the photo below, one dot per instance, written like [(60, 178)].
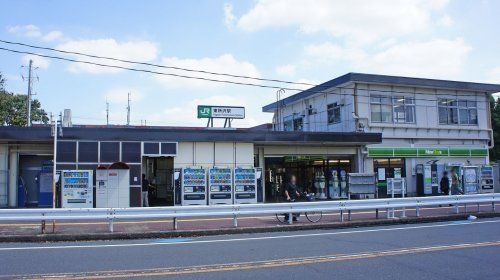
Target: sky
[(303, 41)]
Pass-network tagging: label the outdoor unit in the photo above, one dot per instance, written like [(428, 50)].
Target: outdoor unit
[(194, 186), (77, 189), (245, 185), (220, 186)]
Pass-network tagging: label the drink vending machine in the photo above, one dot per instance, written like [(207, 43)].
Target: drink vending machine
[(471, 179), (245, 185), (487, 183), (220, 186), (194, 186), (77, 189)]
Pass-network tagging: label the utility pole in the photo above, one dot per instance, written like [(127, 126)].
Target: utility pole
[(128, 109), (107, 112), (30, 68)]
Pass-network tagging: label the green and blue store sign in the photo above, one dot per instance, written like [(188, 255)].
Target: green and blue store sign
[(427, 152)]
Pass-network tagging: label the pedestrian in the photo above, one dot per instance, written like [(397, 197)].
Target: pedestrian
[(145, 191), (444, 184), (291, 194), (455, 183)]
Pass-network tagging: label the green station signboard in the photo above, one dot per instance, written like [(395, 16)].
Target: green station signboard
[(426, 152)]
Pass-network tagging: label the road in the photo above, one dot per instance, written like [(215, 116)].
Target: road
[(450, 250)]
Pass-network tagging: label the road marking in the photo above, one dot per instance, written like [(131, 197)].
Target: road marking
[(273, 263), (156, 243), (217, 219)]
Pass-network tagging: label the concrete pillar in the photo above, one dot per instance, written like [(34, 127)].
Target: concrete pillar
[(4, 175), (262, 164), (13, 175)]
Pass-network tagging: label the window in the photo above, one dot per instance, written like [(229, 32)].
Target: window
[(66, 151), (131, 152), (463, 112), (110, 151), (333, 111), (404, 109), (88, 151), (293, 123), (381, 109)]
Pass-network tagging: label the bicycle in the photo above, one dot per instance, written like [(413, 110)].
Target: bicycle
[(312, 217)]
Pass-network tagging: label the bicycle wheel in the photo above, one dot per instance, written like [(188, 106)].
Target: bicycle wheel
[(282, 218), (314, 217)]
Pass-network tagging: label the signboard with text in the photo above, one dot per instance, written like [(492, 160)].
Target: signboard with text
[(220, 112)]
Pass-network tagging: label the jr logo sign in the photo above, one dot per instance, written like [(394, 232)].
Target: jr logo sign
[(204, 112)]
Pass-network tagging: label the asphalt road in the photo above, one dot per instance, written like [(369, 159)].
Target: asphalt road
[(452, 250)]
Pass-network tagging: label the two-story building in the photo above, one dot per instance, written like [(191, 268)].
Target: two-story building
[(421, 120)]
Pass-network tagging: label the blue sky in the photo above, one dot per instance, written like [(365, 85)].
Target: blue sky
[(309, 41)]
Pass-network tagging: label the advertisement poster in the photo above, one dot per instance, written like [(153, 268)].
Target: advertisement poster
[(381, 174), (397, 173)]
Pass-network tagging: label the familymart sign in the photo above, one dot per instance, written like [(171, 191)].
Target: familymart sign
[(426, 152), (220, 112)]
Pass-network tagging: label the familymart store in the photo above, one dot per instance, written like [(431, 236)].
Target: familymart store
[(402, 162)]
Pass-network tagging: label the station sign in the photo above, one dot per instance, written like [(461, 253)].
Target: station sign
[(220, 112)]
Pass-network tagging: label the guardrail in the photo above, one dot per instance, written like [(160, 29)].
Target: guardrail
[(112, 214)]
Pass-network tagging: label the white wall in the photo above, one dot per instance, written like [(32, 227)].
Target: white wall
[(208, 154)]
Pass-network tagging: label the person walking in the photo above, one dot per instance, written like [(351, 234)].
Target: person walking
[(145, 191)]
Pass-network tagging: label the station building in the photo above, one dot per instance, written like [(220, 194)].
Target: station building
[(157, 151), (421, 120)]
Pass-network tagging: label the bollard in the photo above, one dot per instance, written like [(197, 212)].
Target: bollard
[(175, 223), (456, 209), (235, 221), (349, 215), (417, 210), (111, 225), (290, 218), (341, 216)]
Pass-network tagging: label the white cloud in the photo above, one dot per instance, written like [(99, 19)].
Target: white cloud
[(494, 75), (120, 95), (286, 70), (435, 58), (38, 61), (143, 51), (33, 31), (445, 21), (229, 17), (225, 63), (360, 21)]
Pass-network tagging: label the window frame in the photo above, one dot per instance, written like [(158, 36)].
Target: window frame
[(455, 109), (331, 109), (407, 103)]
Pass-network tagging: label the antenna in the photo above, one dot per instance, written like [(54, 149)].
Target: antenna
[(107, 112), (30, 91), (128, 109)]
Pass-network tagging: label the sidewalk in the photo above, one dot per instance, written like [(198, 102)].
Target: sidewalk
[(92, 230)]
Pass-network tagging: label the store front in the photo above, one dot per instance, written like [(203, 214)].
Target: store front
[(309, 171)]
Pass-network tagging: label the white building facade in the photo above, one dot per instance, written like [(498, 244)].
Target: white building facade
[(421, 120)]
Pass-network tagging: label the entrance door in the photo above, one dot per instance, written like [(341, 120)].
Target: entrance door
[(159, 171), (29, 168)]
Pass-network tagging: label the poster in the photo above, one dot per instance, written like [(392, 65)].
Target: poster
[(381, 174), (397, 173)]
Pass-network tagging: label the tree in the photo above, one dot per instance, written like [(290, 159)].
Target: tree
[(13, 108), (495, 125)]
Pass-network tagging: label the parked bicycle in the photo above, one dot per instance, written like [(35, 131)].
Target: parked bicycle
[(312, 217)]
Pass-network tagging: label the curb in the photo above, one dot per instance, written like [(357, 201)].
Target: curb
[(197, 233)]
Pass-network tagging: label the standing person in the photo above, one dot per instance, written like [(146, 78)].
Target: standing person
[(291, 194), (444, 184), (455, 183), (145, 191)]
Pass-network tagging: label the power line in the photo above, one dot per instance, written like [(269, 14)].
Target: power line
[(329, 91), (156, 65)]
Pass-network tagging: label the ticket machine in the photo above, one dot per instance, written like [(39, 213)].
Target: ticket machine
[(194, 186), (220, 186), (487, 182), (77, 189), (245, 185)]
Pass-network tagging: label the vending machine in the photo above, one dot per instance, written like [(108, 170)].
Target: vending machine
[(101, 188), (194, 186), (77, 189), (220, 186), (471, 179), (487, 183), (112, 188), (245, 185)]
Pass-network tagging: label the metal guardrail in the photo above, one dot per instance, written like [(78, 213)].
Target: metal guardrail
[(113, 214)]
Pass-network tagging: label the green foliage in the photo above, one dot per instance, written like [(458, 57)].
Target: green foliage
[(13, 108), (495, 124)]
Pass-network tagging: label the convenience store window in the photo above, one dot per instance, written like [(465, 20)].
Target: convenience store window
[(386, 167)]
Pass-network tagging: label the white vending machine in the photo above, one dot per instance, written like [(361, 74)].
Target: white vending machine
[(77, 190), (112, 188), (245, 185), (194, 186), (220, 186)]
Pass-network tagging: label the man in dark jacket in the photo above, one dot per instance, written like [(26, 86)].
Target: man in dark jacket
[(445, 184)]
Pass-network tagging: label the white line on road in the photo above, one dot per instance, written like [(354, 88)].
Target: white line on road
[(184, 242)]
